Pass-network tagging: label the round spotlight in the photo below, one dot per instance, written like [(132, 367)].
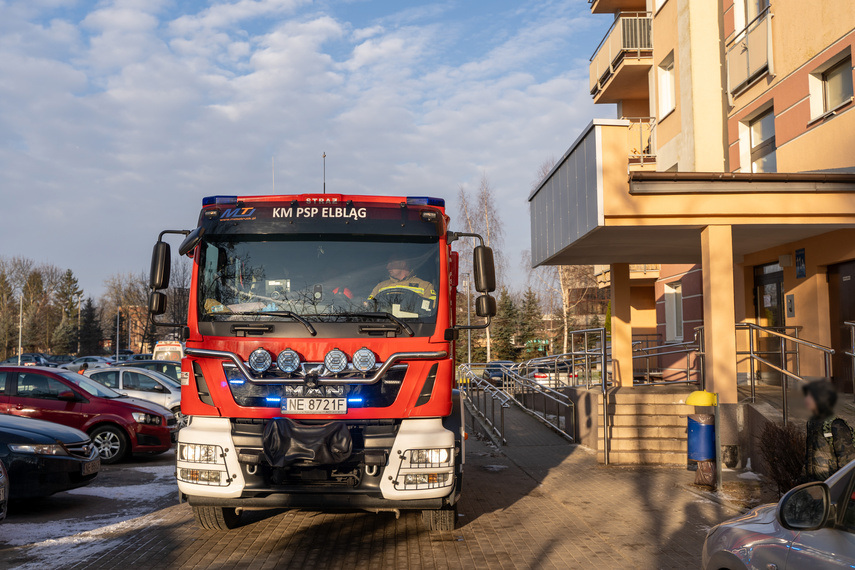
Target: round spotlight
[(288, 360), (260, 360), (364, 360), (335, 361)]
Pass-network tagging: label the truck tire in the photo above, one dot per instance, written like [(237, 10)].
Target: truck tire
[(112, 443), (216, 518), (440, 519)]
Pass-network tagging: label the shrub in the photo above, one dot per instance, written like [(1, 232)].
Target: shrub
[(783, 449)]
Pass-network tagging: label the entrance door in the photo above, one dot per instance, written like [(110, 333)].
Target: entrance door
[(769, 310), (841, 297)]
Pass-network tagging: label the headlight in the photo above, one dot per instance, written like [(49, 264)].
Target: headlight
[(260, 360), (143, 418), (429, 456), (288, 360), (364, 360), (335, 361), (199, 453), (38, 449)]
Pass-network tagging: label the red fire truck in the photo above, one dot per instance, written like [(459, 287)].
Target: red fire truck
[(318, 367)]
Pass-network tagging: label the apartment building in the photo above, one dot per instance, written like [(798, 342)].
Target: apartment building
[(729, 167)]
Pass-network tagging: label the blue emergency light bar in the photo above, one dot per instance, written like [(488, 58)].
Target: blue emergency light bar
[(216, 200), (425, 201)]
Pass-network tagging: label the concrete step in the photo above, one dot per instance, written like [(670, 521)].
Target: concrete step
[(644, 431), (643, 420), (645, 457), (648, 444)]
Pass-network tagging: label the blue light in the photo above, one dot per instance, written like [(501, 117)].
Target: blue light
[(425, 201), (354, 400), (236, 381), (211, 200), (273, 400)]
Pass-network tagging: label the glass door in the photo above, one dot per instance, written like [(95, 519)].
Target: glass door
[(769, 311)]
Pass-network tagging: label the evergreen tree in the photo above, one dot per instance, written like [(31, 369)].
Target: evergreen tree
[(65, 336), (67, 293), (90, 329), (531, 322), (504, 328)]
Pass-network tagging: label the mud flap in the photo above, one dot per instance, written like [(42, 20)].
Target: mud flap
[(287, 442)]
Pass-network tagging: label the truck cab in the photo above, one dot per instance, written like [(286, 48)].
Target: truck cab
[(318, 363)]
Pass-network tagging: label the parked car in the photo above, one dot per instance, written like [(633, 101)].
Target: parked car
[(117, 424), (493, 371), (29, 359), (812, 526), (132, 357), (58, 359), (43, 458), (4, 492), (169, 368), (90, 361), (143, 384)]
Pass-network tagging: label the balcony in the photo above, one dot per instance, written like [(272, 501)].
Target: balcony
[(641, 141), (621, 63), (639, 273), (612, 6), (749, 53)]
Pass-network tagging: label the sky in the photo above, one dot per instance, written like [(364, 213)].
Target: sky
[(118, 116)]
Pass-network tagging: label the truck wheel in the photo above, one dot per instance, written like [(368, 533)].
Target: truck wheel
[(216, 518), (440, 519), (112, 443)]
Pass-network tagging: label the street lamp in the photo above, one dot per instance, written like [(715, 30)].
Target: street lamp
[(118, 314)]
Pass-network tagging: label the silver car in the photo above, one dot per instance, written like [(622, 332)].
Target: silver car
[(89, 361), (813, 526), (142, 384)]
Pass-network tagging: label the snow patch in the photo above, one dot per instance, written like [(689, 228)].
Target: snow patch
[(134, 493), (495, 468), (750, 475)]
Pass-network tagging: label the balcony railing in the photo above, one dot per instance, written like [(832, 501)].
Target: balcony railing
[(749, 53), (640, 136), (630, 36), (603, 275)]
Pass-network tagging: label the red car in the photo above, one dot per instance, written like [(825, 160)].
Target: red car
[(118, 425)]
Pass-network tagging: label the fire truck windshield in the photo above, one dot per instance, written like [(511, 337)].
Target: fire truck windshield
[(318, 277)]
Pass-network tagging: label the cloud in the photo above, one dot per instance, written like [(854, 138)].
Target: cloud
[(116, 118)]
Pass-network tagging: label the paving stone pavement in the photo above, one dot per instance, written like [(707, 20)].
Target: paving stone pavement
[(544, 504)]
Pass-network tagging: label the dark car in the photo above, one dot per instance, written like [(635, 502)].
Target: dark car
[(4, 491), (43, 458), (29, 359), (494, 370), (118, 425), (169, 368), (58, 359)]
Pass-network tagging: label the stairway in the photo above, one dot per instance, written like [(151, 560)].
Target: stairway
[(647, 425)]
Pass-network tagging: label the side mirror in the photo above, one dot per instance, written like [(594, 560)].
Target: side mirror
[(160, 263), (157, 303), (484, 269), (485, 306), (807, 507), (191, 241), (67, 396)]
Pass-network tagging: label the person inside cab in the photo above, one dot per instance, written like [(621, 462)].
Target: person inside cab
[(401, 279)]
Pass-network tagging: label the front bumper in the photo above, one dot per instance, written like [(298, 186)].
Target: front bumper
[(152, 439), (363, 482), (33, 475)]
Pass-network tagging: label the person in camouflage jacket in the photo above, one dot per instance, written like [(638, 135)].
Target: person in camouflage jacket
[(830, 444)]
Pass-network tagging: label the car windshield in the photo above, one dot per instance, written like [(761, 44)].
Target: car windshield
[(171, 382), (91, 387), (318, 277)]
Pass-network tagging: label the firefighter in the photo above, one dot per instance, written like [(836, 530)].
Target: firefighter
[(402, 277)]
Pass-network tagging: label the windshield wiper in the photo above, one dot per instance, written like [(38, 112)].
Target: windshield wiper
[(288, 314), (383, 315)]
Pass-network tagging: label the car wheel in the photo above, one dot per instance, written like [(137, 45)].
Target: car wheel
[(440, 519), (216, 518), (112, 443)]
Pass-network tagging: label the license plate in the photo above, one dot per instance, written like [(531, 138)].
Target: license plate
[(90, 467), (314, 406)]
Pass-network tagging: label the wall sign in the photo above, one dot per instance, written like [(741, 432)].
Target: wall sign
[(801, 267)]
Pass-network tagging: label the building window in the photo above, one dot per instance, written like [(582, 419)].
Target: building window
[(674, 311), (754, 8), (837, 85), (667, 86), (762, 139)]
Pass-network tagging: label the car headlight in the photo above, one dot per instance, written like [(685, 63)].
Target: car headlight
[(364, 360), (38, 449), (288, 360), (150, 419), (260, 360), (199, 453), (429, 456), (335, 361)]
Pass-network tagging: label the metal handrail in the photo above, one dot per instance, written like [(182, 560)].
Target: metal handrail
[(685, 348), (477, 390), (851, 352), (523, 386), (754, 356)]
